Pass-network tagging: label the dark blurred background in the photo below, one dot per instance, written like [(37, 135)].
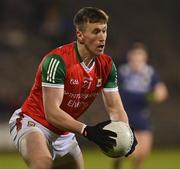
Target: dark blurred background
[(31, 28)]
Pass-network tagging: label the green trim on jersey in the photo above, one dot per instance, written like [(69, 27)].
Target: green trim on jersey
[(77, 52), (53, 70), (112, 78)]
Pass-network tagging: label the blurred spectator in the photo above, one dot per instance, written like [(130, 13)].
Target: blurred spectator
[(55, 25), (139, 85)]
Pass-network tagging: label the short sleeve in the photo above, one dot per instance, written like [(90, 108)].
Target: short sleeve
[(53, 72), (111, 84)]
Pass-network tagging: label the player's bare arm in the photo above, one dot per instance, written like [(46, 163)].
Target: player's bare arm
[(114, 106), (52, 98), (116, 111), (112, 99)]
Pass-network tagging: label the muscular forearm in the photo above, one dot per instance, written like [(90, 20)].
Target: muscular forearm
[(52, 98), (63, 121), (119, 115), (114, 106)]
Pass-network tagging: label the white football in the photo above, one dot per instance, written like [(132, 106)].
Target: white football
[(124, 139)]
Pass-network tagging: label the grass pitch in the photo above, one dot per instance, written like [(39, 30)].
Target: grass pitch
[(95, 159)]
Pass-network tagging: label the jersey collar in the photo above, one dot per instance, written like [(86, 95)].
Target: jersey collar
[(77, 52), (87, 69)]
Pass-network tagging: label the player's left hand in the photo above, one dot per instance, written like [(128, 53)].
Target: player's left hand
[(133, 145), (103, 138)]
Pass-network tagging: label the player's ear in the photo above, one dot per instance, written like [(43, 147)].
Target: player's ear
[(80, 37)]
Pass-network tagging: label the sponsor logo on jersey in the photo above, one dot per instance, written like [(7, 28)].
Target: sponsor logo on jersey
[(99, 83)]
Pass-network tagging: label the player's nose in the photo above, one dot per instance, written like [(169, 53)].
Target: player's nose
[(102, 37)]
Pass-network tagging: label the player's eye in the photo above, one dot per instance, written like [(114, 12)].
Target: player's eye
[(104, 31), (96, 31)]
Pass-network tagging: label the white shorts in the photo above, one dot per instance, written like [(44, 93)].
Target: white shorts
[(59, 145)]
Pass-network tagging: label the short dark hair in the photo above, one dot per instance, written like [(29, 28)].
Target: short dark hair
[(89, 14)]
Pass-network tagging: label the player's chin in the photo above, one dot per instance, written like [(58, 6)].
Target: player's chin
[(99, 52)]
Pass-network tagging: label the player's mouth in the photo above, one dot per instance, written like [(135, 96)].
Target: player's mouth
[(101, 47)]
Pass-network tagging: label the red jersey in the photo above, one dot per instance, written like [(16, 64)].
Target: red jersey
[(63, 68)]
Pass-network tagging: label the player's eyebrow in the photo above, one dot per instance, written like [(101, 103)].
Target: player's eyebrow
[(97, 29)]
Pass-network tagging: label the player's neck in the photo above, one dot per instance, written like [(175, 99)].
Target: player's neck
[(85, 55)]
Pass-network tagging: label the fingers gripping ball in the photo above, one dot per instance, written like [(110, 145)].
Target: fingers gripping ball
[(124, 139), (103, 138)]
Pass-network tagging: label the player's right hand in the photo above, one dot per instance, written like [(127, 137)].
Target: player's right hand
[(103, 138)]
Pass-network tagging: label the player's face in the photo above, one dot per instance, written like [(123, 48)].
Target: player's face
[(94, 38), (137, 59)]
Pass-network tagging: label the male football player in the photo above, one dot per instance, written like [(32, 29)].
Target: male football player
[(67, 81)]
